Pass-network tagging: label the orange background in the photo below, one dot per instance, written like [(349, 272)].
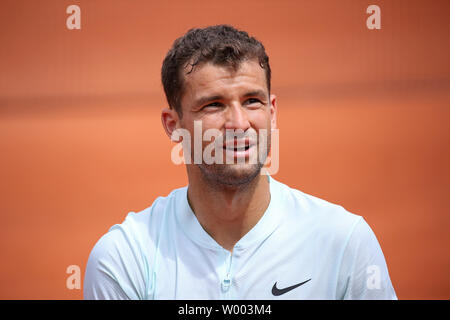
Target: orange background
[(363, 117)]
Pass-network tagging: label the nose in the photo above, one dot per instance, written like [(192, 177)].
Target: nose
[(237, 118)]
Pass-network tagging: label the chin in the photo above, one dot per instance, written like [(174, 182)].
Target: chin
[(230, 174)]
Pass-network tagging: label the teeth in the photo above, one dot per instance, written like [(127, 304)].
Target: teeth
[(237, 149)]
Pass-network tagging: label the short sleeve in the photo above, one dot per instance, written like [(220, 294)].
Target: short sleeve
[(363, 273), (115, 270)]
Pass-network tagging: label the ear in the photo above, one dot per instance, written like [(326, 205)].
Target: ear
[(273, 111), (170, 121)]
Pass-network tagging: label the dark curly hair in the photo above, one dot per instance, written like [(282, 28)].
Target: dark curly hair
[(222, 45)]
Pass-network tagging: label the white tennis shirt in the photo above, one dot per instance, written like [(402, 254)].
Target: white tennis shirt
[(302, 248)]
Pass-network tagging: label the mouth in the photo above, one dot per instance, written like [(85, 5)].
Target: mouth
[(236, 149), (239, 149), (238, 145)]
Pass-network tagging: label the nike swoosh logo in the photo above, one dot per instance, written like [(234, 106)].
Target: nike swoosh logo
[(279, 292)]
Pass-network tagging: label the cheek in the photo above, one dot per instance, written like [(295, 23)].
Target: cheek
[(197, 133), (214, 120), (261, 120)]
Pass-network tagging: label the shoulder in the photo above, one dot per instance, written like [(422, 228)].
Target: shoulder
[(144, 226), (316, 213), (120, 258), (331, 220), (345, 240)]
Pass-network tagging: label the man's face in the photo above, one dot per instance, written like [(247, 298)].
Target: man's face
[(230, 101)]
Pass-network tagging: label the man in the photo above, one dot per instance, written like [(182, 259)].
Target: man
[(233, 233)]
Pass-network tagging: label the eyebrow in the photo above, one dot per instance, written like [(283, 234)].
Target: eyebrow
[(256, 93), (201, 101)]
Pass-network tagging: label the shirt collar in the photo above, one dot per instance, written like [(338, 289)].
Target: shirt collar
[(263, 228)]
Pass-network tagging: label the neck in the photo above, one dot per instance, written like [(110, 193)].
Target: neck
[(227, 213)]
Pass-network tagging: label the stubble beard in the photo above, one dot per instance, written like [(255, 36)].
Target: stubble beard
[(236, 174)]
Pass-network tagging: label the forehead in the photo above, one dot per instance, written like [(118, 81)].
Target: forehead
[(209, 78)]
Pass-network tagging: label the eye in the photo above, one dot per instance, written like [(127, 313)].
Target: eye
[(253, 101), (212, 105)]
